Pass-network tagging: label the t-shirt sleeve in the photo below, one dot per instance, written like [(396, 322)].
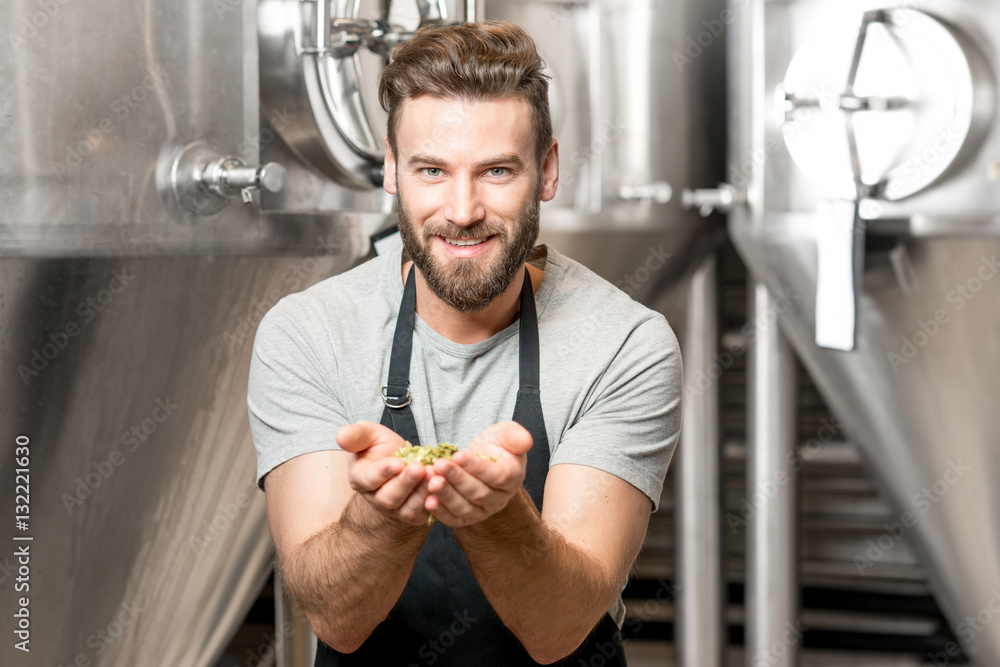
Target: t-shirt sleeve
[(292, 405), (632, 423)]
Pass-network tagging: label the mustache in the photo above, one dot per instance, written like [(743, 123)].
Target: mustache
[(478, 230)]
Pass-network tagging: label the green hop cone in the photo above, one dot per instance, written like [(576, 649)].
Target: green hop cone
[(428, 454)]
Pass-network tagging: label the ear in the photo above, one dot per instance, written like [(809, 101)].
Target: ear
[(389, 169), (550, 171)]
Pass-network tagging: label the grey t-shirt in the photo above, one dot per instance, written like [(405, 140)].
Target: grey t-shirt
[(610, 371)]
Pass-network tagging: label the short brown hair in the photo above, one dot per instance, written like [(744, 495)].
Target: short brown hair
[(472, 61)]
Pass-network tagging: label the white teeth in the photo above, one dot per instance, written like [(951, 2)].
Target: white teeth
[(461, 243)]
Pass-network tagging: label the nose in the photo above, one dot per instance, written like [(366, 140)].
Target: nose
[(465, 204)]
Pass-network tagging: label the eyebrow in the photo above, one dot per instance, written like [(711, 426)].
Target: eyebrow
[(424, 159), (507, 158)]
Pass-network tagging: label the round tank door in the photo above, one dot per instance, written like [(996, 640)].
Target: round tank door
[(884, 104), (319, 64)]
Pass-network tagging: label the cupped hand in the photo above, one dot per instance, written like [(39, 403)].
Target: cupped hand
[(394, 488), (477, 482)]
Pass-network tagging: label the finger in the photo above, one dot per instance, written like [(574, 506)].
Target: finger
[(441, 513), (362, 435), (450, 507), (394, 492), (504, 474), (450, 478), (369, 475), (509, 435), (412, 510)]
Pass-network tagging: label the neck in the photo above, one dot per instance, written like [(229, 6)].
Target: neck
[(468, 328)]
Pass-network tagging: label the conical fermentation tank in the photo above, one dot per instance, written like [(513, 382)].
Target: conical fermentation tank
[(866, 139), (132, 279), (169, 171)]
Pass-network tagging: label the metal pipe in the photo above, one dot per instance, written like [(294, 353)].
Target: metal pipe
[(773, 634), (701, 599), (298, 645), (473, 10)]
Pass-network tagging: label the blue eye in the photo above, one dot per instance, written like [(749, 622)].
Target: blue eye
[(498, 171)]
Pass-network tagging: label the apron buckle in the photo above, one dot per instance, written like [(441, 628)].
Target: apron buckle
[(393, 401)]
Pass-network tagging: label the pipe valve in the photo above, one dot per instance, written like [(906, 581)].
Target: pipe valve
[(721, 199), (228, 176), (204, 180)]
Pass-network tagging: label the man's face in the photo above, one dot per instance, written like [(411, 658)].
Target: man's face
[(468, 191)]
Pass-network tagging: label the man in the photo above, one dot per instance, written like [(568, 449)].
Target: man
[(538, 517)]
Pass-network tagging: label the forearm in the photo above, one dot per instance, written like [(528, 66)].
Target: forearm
[(349, 576), (548, 592)]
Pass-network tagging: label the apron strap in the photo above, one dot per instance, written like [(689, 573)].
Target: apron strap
[(442, 589), (528, 337), (528, 408), (397, 414)]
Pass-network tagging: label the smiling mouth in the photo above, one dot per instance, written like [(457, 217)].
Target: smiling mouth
[(465, 243)]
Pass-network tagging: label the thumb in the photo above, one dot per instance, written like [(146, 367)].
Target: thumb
[(358, 437), (513, 437)]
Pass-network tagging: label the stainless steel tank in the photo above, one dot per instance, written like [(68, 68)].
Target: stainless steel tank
[(865, 139), (638, 122), (636, 125), (133, 275), (132, 278)]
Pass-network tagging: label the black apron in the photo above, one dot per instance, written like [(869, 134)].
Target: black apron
[(442, 617)]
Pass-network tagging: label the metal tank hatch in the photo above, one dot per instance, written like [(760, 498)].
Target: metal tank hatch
[(891, 110)]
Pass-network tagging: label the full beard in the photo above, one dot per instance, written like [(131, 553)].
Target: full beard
[(471, 284)]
